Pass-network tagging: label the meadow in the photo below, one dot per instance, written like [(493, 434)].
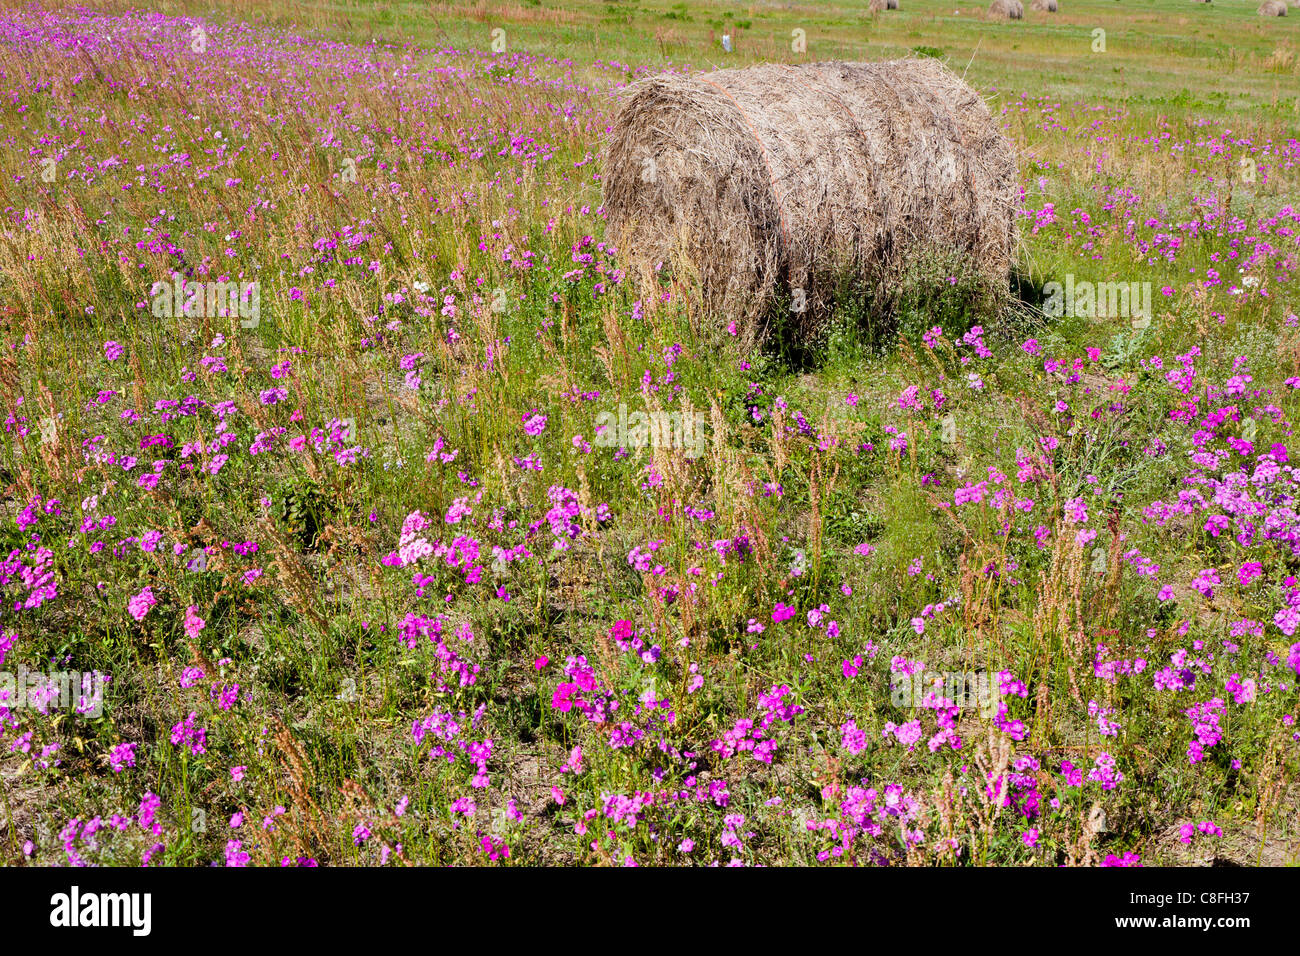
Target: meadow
[(329, 535)]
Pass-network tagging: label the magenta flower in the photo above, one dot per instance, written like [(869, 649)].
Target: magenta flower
[(534, 423), (186, 734), (235, 854), (121, 756), (852, 738), (562, 699), (139, 605)]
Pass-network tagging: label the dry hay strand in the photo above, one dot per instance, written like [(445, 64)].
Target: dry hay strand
[(780, 182), (1280, 60), (1043, 6), (1272, 8), (1006, 10)]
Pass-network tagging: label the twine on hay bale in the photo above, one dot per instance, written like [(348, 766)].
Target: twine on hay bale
[(777, 182), (1006, 10)]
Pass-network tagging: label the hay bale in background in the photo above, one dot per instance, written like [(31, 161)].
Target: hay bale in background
[(1272, 8), (879, 6), (1006, 10), (1043, 6), (778, 178)]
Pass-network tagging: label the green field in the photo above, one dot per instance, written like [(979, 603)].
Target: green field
[(371, 583)]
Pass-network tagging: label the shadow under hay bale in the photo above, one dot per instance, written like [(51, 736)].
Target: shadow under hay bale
[(1272, 8), (1006, 10), (784, 187)]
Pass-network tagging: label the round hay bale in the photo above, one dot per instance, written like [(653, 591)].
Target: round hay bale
[(891, 4), (880, 6), (1006, 10), (781, 182), (1043, 6), (1272, 8)]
